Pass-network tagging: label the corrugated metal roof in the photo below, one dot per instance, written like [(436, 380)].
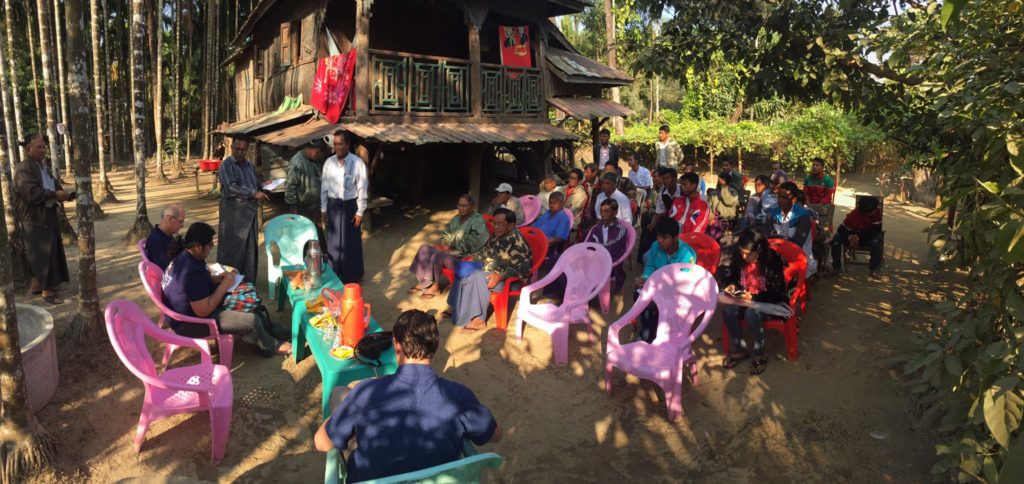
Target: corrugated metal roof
[(576, 68), (264, 122), (422, 133), (295, 136), (589, 107)]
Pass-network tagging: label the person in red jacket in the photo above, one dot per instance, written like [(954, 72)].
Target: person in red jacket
[(862, 227), (689, 210)]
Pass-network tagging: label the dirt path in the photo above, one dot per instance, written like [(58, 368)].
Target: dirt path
[(840, 413)]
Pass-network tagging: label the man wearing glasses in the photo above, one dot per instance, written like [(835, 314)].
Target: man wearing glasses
[(158, 244)]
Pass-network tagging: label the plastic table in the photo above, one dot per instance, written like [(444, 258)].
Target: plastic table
[(333, 372)]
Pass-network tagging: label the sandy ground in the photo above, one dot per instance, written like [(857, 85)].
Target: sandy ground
[(840, 413)]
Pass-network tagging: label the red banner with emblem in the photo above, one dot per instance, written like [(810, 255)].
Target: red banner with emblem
[(332, 84), (515, 46)]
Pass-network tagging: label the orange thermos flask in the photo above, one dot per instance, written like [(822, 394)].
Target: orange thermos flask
[(355, 315)]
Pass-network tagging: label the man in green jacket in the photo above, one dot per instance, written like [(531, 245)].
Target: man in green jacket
[(302, 185)]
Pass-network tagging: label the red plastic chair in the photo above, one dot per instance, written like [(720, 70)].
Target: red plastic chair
[(792, 252), (538, 243), (796, 270), (205, 387), (709, 253), (489, 220), (152, 279)]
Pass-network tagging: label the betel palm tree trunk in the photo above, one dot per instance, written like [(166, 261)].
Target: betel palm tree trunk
[(106, 193), (12, 73), (24, 447), (142, 226), (613, 62), (30, 29), (87, 324), (19, 266), (158, 90), (176, 90), (67, 232), (62, 78)]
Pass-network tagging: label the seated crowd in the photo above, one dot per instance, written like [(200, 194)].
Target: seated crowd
[(415, 419)]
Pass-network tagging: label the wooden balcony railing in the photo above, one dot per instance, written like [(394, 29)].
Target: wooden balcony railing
[(419, 84), (511, 90)]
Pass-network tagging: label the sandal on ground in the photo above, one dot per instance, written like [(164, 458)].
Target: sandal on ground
[(417, 288), (429, 295), (758, 366), (734, 359), (54, 299)]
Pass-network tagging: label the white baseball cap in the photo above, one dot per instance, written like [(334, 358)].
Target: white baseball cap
[(504, 187)]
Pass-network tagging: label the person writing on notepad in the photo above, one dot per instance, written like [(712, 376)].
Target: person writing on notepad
[(189, 289)]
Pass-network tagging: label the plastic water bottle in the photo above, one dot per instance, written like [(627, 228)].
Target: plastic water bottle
[(313, 266)]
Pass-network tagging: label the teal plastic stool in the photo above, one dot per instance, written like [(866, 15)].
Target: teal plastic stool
[(284, 237), (468, 469)]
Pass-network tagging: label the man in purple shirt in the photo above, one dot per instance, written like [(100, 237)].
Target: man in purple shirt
[(411, 420)]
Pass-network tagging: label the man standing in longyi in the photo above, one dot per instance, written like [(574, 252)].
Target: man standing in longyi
[(344, 189), (239, 205)]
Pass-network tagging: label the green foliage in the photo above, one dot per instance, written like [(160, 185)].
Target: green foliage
[(941, 78), (819, 130)]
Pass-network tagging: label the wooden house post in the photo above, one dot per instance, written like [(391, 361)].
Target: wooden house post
[(362, 45), (475, 16)]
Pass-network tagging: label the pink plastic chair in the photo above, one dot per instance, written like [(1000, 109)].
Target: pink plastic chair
[(585, 266), (531, 209), (152, 279), (142, 250), (606, 291), (198, 388), (682, 292)]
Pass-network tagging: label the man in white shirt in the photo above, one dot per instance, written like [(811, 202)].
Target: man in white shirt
[(608, 183), (503, 199), (669, 191), (344, 191), (640, 176), (604, 151)]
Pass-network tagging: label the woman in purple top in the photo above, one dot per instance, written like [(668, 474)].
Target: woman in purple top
[(611, 234), (189, 289)]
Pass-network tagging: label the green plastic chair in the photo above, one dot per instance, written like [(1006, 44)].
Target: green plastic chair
[(284, 237), (465, 470)]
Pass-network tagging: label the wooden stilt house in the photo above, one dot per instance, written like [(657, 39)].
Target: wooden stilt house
[(429, 89)]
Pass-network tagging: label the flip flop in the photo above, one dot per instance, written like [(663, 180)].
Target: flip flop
[(54, 299), (428, 295), (758, 366), (414, 289), (732, 359)]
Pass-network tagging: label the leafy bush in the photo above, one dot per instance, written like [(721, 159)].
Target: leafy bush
[(794, 138)]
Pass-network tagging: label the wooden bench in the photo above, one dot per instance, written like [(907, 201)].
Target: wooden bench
[(373, 206)]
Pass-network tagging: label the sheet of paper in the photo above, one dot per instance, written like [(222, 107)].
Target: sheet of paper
[(781, 310), (238, 280), (273, 184), (216, 269)]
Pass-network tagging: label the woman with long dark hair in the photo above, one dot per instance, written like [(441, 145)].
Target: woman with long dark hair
[(36, 195), (755, 273), (190, 289)]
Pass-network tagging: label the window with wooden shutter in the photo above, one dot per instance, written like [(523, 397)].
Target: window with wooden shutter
[(258, 68), (286, 44), (307, 49)]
